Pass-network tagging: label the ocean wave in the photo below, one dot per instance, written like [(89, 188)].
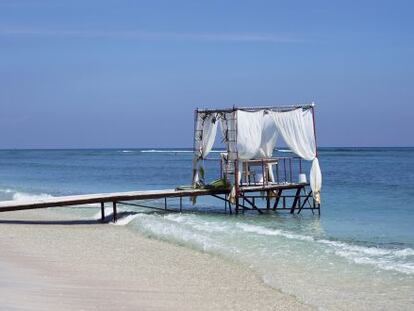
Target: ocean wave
[(175, 232), (385, 259), (194, 222), (200, 233), (126, 151), (23, 196), (125, 220), (274, 232)]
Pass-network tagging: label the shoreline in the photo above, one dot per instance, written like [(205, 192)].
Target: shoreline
[(79, 265)]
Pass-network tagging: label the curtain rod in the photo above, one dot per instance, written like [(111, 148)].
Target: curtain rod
[(273, 108)]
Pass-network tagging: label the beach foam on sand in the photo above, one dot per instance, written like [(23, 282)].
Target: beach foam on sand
[(67, 265)]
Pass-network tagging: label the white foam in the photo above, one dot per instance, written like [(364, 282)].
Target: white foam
[(385, 259), (123, 221), (23, 196), (164, 229), (108, 211), (404, 252), (274, 232), (194, 222)]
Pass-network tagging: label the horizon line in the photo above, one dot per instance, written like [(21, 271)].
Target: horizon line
[(144, 35)]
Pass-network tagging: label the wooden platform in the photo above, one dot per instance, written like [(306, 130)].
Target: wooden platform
[(124, 197), (7, 206), (270, 187)]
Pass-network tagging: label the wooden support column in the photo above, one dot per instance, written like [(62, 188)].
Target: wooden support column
[(181, 204), (268, 200), (295, 201), (302, 205), (278, 194), (102, 211), (114, 215), (253, 205)]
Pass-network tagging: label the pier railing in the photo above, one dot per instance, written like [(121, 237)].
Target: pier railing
[(260, 172)]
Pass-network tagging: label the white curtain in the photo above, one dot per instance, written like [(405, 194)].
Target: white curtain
[(268, 141), (296, 128), (206, 129), (249, 133), (256, 133), (256, 137), (205, 135)]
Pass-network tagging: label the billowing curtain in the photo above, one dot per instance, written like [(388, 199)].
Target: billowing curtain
[(296, 129), (269, 137), (206, 129), (249, 133), (268, 141), (256, 136), (249, 136), (205, 135)]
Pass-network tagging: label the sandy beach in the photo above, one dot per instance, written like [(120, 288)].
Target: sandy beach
[(52, 261)]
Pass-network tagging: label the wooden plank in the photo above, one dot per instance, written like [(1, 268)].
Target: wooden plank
[(7, 206), (270, 186)]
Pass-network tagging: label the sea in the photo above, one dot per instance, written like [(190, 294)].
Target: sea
[(358, 254)]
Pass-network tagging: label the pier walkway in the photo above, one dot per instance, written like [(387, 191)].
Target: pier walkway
[(273, 191), (102, 198)]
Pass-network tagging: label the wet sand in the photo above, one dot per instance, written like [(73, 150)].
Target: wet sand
[(49, 260)]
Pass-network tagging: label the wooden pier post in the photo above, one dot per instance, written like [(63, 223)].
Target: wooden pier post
[(268, 200), (114, 215), (278, 195), (102, 211), (295, 201)]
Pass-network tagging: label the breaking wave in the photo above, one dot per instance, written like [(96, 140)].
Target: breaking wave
[(385, 259), (204, 234), (23, 196)]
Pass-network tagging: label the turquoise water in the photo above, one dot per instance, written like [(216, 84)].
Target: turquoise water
[(359, 254)]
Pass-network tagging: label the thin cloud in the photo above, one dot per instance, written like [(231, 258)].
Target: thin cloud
[(157, 36)]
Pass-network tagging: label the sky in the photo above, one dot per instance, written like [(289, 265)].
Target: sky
[(113, 74)]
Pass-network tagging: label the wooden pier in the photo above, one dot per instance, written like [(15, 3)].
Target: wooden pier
[(102, 198), (247, 197)]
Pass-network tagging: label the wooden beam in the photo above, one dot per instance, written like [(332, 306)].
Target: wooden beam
[(278, 194), (304, 202), (295, 201), (114, 215), (6, 206), (102, 211), (253, 205)]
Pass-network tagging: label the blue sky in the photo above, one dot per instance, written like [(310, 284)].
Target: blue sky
[(93, 74)]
